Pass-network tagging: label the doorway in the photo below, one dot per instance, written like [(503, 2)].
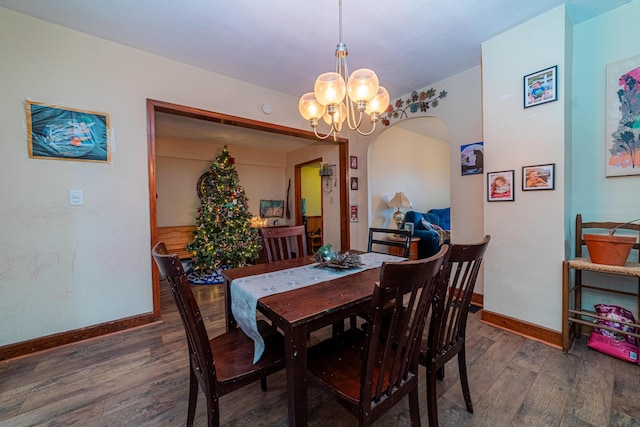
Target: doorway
[(154, 106), (309, 203)]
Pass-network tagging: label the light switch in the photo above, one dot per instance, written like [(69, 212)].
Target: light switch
[(76, 198)]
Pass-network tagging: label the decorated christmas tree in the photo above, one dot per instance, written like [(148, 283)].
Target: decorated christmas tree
[(223, 235)]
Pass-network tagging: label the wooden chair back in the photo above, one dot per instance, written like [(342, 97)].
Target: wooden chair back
[(234, 367), (392, 349), (598, 227), (447, 327), (282, 243), (200, 354), (381, 239)]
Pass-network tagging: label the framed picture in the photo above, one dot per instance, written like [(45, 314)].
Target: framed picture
[(500, 186), (354, 213), (272, 208), (353, 162), (541, 87), (62, 133), (622, 152), (472, 158), (538, 177), (354, 183), (409, 226)]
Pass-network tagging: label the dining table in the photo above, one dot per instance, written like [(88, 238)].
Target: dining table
[(298, 312)]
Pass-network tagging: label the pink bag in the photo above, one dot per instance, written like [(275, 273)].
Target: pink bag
[(619, 345)]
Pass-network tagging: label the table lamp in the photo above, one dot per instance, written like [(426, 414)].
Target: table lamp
[(399, 201)]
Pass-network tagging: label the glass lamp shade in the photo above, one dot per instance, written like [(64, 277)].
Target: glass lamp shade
[(379, 103), (363, 85), (338, 117), (330, 89), (309, 107)]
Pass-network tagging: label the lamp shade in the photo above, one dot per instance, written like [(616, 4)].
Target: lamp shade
[(330, 89), (310, 108), (362, 85), (379, 103), (400, 201)]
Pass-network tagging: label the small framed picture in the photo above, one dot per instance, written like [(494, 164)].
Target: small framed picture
[(538, 177), (500, 186), (409, 226), (353, 162), (354, 183), (354, 213), (541, 87)]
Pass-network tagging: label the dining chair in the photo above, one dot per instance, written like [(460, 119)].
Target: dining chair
[(282, 243), (369, 371), (233, 366), (397, 242), (387, 240), (447, 327)]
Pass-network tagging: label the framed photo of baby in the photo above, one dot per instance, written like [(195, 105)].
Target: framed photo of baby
[(538, 177), (541, 87), (500, 186)]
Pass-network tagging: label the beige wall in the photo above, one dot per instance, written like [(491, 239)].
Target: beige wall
[(418, 165), (66, 267), (179, 165)]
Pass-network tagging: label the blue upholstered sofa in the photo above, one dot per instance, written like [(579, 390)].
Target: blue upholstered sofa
[(429, 243)]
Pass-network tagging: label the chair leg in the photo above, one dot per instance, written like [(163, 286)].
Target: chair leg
[(432, 397), (440, 373), (263, 383), (414, 407), (193, 398), (462, 366)]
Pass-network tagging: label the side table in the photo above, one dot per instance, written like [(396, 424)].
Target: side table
[(413, 248)]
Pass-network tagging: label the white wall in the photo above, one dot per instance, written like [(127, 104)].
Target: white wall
[(62, 267), (522, 265)]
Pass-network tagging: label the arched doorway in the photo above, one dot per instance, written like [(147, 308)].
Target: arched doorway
[(412, 156)]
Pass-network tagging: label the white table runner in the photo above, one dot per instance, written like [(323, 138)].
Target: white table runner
[(246, 292)]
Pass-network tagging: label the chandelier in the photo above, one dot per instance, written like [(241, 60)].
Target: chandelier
[(335, 101)]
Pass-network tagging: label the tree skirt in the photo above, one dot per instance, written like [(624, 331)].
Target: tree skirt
[(206, 277)]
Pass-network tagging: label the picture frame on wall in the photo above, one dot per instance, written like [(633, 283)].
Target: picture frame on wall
[(622, 150), (63, 133), (353, 162), (354, 213), (541, 87), (500, 186), (272, 208), (538, 177), (472, 158), (354, 183)]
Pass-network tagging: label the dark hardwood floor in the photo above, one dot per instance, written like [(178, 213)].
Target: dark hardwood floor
[(139, 378)]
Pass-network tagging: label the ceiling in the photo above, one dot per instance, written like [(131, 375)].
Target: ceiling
[(284, 45)]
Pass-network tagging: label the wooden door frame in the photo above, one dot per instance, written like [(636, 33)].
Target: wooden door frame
[(154, 106)]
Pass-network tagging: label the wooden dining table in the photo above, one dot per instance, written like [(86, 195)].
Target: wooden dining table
[(300, 311)]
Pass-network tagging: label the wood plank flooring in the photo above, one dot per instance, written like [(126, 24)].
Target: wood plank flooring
[(140, 378)]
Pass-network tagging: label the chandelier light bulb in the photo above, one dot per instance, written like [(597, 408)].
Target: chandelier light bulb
[(310, 108), (330, 89), (363, 85), (378, 104)]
